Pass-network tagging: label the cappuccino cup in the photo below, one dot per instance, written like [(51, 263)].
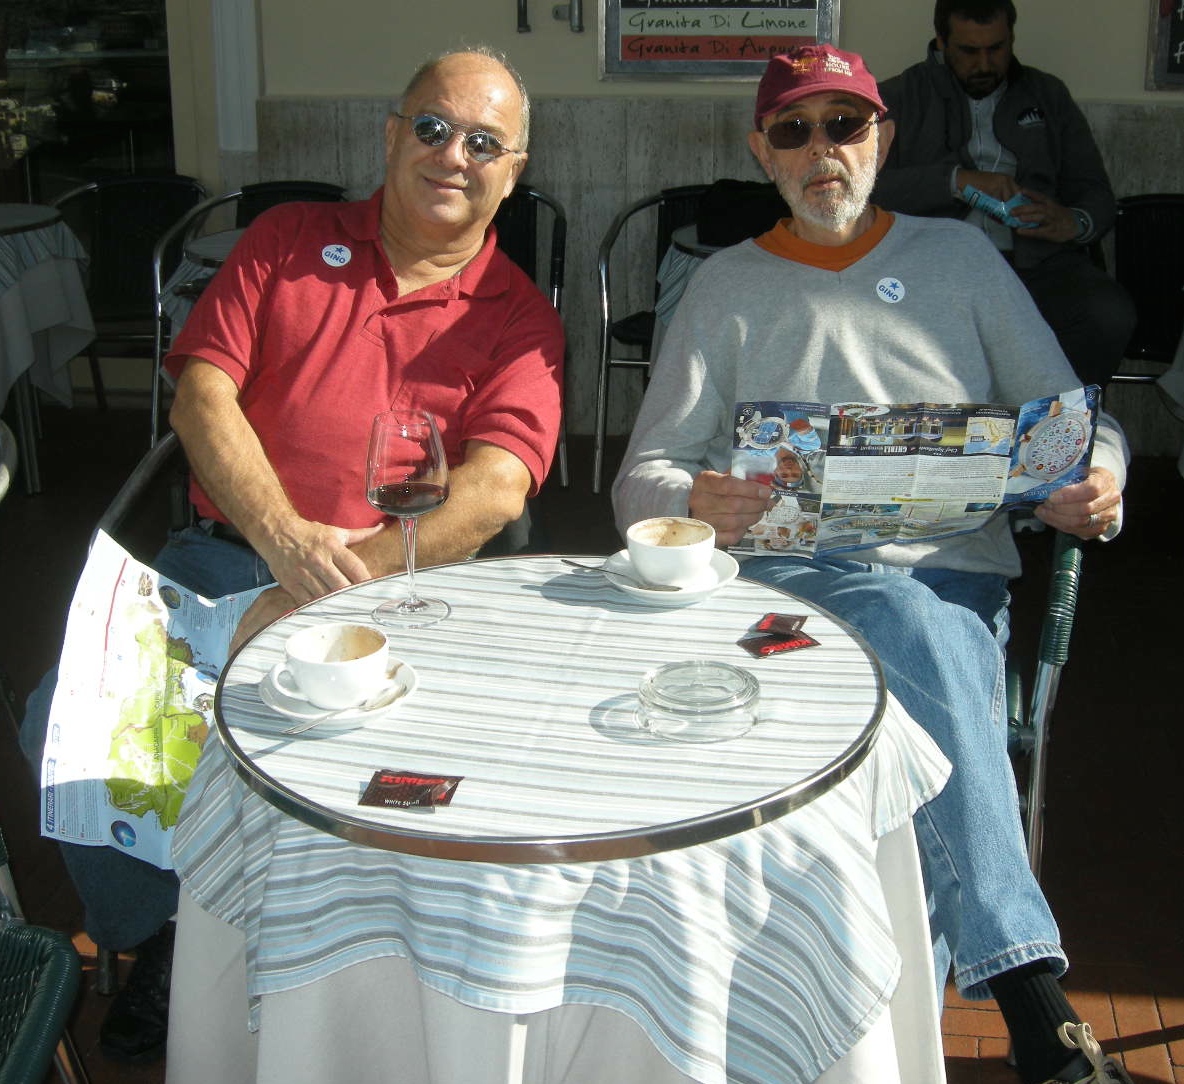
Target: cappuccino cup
[(334, 666), (671, 550)]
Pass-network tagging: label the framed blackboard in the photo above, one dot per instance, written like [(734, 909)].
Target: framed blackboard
[(707, 39), (1165, 46)]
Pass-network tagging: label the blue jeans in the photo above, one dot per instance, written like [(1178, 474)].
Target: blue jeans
[(939, 635), (124, 899)]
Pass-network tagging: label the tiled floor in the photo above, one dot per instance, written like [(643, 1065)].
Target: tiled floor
[(1115, 834)]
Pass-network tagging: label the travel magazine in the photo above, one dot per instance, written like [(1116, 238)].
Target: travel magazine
[(133, 705), (846, 476)]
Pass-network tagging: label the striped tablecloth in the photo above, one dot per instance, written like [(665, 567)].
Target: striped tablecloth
[(758, 956)]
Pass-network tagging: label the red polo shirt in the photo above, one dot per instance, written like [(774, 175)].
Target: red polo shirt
[(306, 318)]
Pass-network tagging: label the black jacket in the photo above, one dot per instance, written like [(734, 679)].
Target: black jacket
[(1036, 119)]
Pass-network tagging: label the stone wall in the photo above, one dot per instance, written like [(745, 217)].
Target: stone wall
[(597, 155)]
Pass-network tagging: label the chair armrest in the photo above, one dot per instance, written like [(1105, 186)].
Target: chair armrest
[(1061, 609)]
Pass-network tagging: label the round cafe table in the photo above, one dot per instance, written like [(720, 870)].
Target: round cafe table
[(18, 217), (742, 911), (528, 692)]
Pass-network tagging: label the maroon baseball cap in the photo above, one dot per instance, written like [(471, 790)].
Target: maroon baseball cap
[(813, 69)]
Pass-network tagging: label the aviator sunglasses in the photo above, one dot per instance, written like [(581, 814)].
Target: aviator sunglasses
[(433, 131), (795, 133)]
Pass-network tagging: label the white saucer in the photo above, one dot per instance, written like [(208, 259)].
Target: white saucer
[(723, 570), (295, 708)]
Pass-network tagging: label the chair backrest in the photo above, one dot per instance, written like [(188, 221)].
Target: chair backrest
[(119, 220), (517, 223), (39, 978), (1149, 263), (254, 199), (675, 207)]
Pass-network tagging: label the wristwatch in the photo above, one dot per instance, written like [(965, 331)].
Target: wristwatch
[(1084, 223)]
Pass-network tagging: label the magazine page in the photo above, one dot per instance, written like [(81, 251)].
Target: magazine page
[(849, 476), (911, 471), (1055, 439), (782, 445), (133, 705)]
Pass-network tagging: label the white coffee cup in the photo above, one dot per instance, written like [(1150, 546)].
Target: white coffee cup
[(671, 550), (334, 666)]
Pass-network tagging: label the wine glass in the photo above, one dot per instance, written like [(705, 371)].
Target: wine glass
[(406, 476)]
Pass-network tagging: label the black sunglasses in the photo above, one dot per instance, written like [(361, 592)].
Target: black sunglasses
[(795, 133), (435, 131)]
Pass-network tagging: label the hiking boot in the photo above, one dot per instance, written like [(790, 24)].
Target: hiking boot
[(1103, 1069), (136, 1027)]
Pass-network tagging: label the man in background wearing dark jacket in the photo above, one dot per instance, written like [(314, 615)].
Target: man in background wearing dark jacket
[(971, 116)]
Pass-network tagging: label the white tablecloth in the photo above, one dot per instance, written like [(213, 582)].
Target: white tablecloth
[(45, 320), (7, 458), (764, 956)]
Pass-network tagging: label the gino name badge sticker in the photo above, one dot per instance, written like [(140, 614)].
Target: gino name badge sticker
[(890, 291), (336, 255)]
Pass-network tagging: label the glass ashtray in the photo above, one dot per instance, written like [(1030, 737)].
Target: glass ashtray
[(697, 701)]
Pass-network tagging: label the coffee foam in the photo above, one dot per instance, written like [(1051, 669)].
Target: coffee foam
[(671, 532)]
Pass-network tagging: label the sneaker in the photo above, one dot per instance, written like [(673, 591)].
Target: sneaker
[(1103, 1069), (136, 1027)]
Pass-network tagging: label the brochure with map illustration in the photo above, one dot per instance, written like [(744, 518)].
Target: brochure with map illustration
[(846, 476), (133, 705)]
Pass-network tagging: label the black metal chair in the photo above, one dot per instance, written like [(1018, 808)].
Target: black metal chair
[(519, 236), (39, 978), (119, 221), (674, 207), (249, 202), (1149, 263)]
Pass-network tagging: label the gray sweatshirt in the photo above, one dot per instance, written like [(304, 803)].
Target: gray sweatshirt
[(931, 314)]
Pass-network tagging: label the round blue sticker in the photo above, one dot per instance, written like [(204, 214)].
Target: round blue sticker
[(336, 255)]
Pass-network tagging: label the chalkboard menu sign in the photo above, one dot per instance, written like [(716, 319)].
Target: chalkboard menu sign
[(1165, 52), (707, 39)]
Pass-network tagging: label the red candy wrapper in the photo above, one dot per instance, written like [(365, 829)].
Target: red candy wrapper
[(763, 646), (775, 633), (401, 790), (780, 624)]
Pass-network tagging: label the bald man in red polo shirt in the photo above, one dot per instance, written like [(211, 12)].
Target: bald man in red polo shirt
[(327, 314)]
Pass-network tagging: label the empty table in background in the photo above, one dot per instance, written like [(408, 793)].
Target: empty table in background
[(45, 320)]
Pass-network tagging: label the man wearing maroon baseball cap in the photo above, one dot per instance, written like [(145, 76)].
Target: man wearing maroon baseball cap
[(845, 302), (814, 69)]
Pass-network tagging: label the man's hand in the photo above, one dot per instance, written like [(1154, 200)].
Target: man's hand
[(270, 606), (1087, 509), (1053, 222), (730, 505), (311, 559), (1000, 185)]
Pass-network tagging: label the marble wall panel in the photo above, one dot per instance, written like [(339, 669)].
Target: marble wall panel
[(598, 155), (301, 139)]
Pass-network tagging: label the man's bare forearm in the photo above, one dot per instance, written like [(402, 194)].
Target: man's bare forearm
[(224, 452)]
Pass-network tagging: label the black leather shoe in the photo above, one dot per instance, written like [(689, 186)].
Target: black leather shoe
[(136, 1027)]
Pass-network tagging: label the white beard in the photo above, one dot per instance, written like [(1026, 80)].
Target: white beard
[(833, 210)]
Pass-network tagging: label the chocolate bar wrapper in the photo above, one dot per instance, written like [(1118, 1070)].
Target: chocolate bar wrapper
[(396, 789)]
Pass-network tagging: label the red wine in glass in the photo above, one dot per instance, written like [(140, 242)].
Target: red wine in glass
[(407, 477), (408, 498)]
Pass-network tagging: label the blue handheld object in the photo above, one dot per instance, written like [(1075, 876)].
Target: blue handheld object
[(997, 209)]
